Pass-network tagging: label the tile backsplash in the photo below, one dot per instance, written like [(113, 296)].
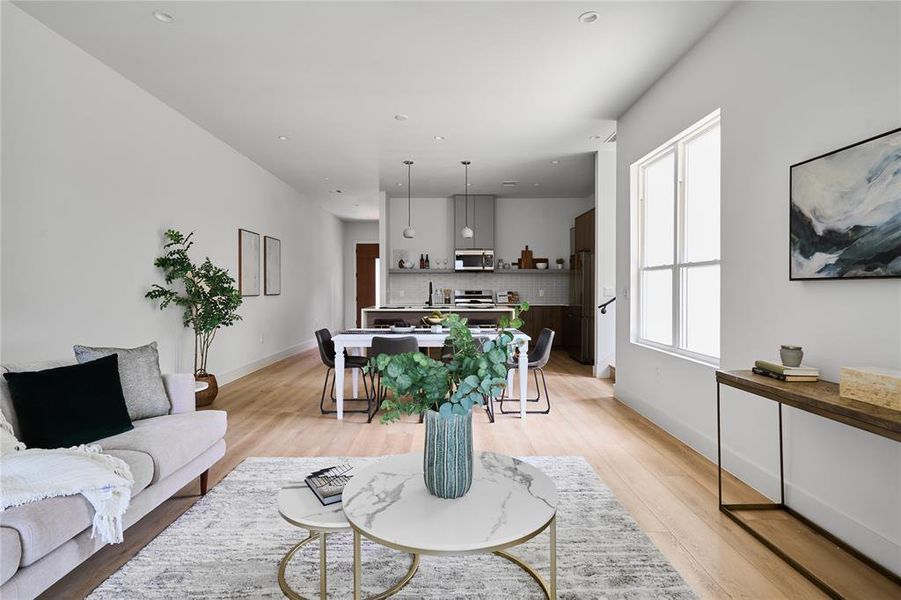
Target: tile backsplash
[(415, 285)]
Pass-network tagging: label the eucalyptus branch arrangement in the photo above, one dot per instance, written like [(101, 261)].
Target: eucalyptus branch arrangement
[(474, 371), (207, 294)]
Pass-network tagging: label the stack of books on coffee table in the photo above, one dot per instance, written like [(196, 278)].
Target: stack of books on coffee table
[(778, 371)]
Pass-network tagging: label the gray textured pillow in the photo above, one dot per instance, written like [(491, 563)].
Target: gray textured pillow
[(139, 372)]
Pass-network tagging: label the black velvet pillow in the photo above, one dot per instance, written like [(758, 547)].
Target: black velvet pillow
[(68, 406)]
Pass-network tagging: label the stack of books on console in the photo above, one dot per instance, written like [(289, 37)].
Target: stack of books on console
[(788, 374)]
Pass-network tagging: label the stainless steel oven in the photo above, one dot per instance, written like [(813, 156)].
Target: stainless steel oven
[(474, 260)]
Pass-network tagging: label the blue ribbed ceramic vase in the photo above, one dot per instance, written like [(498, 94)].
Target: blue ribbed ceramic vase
[(447, 457)]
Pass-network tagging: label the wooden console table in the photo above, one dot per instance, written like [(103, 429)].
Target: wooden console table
[(821, 398)]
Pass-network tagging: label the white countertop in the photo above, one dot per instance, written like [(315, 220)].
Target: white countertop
[(441, 307), (509, 500)]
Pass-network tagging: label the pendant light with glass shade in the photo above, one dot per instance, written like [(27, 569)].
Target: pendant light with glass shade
[(466, 232), (409, 232)]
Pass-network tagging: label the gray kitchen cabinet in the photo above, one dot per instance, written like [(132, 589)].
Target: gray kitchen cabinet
[(460, 220), (481, 221)]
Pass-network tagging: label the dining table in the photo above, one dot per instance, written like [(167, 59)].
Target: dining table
[(356, 341)]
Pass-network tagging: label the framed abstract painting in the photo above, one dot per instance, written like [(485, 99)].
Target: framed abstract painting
[(272, 266), (845, 214), (248, 262)]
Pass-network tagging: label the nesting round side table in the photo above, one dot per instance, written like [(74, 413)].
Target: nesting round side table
[(299, 506), (509, 503)]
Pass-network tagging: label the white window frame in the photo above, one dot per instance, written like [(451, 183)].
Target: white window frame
[(676, 146)]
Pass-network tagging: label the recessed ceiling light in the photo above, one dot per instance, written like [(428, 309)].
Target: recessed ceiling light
[(163, 17), (589, 17), (509, 183), (284, 138), (440, 138), (555, 162), (399, 184), (401, 117), (468, 185), (536, 184), (594, 137)]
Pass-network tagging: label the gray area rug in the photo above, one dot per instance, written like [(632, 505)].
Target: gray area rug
[(228, 545)]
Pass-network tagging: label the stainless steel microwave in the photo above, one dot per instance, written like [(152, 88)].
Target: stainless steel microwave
[(474, 260)]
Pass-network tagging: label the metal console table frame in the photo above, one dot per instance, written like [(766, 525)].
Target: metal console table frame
[(822, 399)]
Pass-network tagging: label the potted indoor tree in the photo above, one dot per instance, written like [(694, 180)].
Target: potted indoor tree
[(445, 392), (207, 295)]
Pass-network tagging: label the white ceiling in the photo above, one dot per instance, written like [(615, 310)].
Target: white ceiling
[(511, 85)]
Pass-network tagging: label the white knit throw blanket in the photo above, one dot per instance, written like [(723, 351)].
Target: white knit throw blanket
[(105, 481)]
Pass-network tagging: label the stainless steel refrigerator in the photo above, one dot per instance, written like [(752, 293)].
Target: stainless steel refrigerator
[(579, 326)]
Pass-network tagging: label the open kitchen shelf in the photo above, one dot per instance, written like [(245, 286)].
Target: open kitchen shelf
[(497, 272)]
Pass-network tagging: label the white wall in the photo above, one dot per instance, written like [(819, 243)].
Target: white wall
[(2, 12), (542, 223), (355, 232), (432, 218), (605, 261), (94, 169), (793, 80)]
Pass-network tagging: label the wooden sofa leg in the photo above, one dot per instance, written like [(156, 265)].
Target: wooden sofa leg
[(204, 478)]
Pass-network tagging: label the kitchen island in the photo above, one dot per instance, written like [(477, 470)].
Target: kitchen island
[(389, 314)]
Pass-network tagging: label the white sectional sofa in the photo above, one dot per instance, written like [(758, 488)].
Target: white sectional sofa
[(42, 541)]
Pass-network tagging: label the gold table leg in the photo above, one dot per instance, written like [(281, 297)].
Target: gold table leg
[(358, 575), (554, 558), (323, 563), (282, 565), (549, 589)]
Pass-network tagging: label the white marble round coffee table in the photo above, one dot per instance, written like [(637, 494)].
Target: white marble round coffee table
[(509, 503), (300, 507)]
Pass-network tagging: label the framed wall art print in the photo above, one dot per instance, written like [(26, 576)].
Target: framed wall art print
[(248, 262), (845, 213)]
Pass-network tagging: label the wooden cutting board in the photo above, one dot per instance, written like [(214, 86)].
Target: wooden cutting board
[(526, 260)]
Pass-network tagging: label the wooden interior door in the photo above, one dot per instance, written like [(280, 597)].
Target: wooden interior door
[(365, 273)]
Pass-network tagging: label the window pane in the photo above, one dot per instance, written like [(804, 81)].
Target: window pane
[(702, 197), (659, 203), (701, 309), (657, 306)]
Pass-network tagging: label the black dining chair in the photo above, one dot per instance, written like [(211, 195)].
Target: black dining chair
[(390, 346), (327, 354), (539, 356)]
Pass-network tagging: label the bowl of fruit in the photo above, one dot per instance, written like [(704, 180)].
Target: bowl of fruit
[(436, 318)]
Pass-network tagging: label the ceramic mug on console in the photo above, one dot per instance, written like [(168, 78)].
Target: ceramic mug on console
[(791, 355)]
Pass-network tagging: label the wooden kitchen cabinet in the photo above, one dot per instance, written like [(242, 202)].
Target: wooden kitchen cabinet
[(540, 317), (584, 234)]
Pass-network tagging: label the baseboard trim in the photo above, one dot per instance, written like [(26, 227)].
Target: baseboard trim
[(243, 371), (880, 548)]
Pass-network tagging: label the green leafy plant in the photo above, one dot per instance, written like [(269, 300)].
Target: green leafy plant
[(207, 294), (472, 371)]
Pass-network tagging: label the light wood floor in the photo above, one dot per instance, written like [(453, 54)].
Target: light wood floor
[(667, 487)]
